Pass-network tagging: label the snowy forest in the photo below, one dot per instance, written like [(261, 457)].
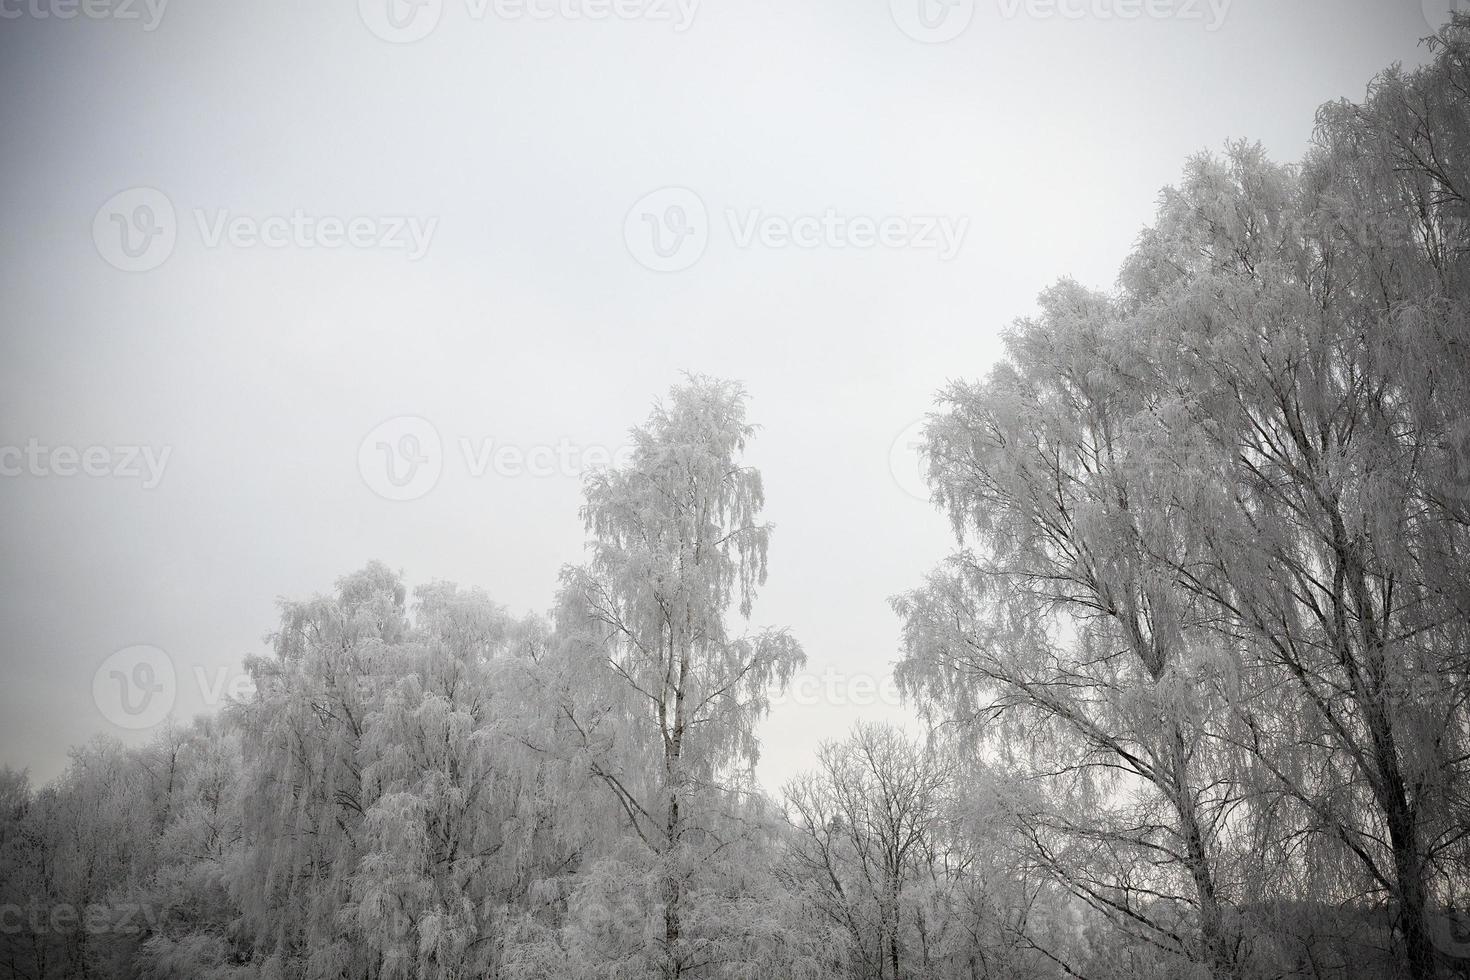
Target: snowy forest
[(1192, 691)]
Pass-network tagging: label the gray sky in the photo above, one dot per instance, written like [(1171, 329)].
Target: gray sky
[(517, 147)]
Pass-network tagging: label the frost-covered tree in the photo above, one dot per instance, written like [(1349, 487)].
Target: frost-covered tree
[(454, 823), (304, 807), (1241, 482), (904, 850), (865, 823), (194, 929), (677, 545), (1052, 633), (394, 818), (1306, 331)]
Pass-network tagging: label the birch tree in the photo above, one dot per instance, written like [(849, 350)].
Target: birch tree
[(1304, 330), (676, 545), (304, 809), (1055, 636)]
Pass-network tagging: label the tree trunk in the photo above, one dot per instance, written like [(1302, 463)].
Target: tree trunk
[(673, 774), (1369, 685), (893, 941), (1408, 862), (1213, 937)]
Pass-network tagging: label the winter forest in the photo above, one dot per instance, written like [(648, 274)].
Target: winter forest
[(1193, 687)]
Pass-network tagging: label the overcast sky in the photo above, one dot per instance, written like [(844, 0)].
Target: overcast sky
[(239, 237)]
